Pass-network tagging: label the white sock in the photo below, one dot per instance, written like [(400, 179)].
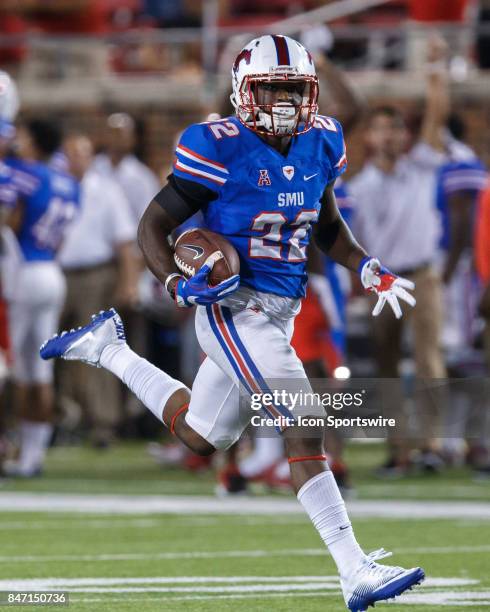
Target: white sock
[(150, 385), (34, 440), (321, 499)]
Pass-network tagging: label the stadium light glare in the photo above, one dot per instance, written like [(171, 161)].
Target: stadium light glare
[(341, 373)]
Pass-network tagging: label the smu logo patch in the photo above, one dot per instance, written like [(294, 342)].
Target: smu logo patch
[(264, 178), (288, 172)]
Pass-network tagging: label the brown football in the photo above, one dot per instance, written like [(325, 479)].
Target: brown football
[(194, 246)]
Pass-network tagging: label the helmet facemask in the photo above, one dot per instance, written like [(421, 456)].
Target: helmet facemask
[(289, 117)]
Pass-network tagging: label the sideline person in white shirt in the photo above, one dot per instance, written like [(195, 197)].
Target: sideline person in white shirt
[(118, 162), (140, 185), (99, 263), (395, 218)]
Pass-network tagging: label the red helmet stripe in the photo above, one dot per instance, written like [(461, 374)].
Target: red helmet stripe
[(281, 50)]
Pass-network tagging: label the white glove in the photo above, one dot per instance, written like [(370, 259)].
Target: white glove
[(388, 286)]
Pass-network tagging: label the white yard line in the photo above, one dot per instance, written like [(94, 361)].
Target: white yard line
[(447, 598), (405, 489), (253, 588), (69, 523), (68, 583), (101, 485), (226, 554), (444, 550), (59, 522), (74, 583), (165, 600), (467, 599), (182, 504), (440, 599), (109, 522), (241, 587)]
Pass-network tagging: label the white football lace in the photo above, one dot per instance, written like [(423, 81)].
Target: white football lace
[(183, 267), (377, 569), (376, 555)]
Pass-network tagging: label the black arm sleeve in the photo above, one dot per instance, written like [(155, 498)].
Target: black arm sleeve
[(181, 198), (326, 233), (329, 234)]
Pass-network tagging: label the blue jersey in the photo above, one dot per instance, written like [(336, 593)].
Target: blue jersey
[(468, 175), (8, 194), (51, 200), (265, 203)]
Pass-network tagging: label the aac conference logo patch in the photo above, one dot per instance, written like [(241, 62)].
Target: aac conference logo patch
[(264, 178)]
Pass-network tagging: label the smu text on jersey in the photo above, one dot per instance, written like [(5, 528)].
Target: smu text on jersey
[(297, 198)]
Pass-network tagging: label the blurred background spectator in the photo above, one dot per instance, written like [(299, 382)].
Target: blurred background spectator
[(118, 162), (47, 202), (395, 218), (139, 184), (99, 263)]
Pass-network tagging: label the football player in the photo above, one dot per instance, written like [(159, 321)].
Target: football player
[(459, 182), (319, 328), (47, 201), (263, 179)]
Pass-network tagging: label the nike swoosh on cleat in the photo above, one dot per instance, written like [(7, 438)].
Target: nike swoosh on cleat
[(307, 178)]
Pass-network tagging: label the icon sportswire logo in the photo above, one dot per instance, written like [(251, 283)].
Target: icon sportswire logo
[(307, 178)]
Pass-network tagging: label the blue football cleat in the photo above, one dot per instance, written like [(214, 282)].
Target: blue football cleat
[(86, 343), (372, 582)]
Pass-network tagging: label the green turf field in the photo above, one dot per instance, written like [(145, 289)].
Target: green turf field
[(201, 561), (127, 469)]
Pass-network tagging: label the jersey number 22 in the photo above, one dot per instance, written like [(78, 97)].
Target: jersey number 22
[(270, 244)]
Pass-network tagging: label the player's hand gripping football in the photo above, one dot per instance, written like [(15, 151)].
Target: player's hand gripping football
[(389, 287), (197, 290)]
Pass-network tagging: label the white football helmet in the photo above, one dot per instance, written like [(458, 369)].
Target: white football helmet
[(9, 105), (275, 59)]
